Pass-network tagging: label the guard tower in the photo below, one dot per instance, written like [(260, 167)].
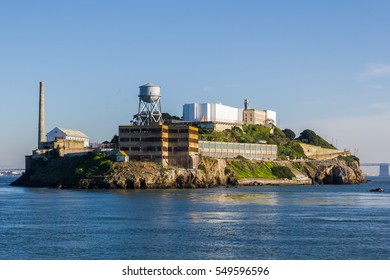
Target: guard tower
[(149, 109)]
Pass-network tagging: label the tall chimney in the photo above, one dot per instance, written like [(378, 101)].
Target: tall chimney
[(41, 124)]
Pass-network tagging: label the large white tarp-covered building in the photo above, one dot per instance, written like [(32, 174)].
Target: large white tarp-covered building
[(211, 112)]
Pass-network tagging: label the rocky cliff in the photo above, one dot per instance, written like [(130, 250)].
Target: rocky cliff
[(143, 175), (210, 173), (336, 171)]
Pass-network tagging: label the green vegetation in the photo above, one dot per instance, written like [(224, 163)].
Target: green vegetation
[(69, 170), (115, 139), (349, 159), (308, 163), (289, 133), (202, 167), (298, 166), (288, 145), (282, 172), (249, 169), (248, 134), (167, 116), (291, 150), (310, 137)]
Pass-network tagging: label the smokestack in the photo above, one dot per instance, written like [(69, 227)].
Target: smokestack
[(41, 124)]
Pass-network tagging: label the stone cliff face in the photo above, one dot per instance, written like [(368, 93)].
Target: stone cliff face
[(336, 172), (141, 175)]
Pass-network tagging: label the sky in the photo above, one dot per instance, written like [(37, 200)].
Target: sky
[(321, 65)]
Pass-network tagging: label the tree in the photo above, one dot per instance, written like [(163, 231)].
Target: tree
[(289, 133), (115, 139), (310, 137), (167, 116)]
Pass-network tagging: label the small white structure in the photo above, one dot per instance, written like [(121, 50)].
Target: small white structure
[(67, 134), (271, 116), (121, 156), (211, 112)]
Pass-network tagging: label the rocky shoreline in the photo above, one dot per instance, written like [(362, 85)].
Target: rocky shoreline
[(211, 173)]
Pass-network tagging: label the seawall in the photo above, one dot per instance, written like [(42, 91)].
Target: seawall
[(274, 182)]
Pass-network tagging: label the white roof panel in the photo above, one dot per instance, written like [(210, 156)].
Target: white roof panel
[(73, 132)]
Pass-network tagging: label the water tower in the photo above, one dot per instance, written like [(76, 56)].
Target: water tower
[(149, 109)]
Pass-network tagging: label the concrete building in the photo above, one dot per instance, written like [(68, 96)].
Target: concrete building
[(61, 147), (173, 145), (232, 150), (179, 146), (183, 146), (67, 134), (145, 142), (255, 116), (59, 142), (58, 148), (220, 117), (67, 147)]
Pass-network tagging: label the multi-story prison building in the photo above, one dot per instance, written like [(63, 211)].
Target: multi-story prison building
[(179, 145), (232, 150), (182, 145), (173, 145)]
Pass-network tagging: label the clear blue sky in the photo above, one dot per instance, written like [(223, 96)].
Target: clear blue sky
[(323, 65)]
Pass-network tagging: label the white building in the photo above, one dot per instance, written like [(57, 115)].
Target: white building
[(211, 112), (270, 115), (67, 134)]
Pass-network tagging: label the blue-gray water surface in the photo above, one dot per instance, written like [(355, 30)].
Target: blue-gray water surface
[(294, 222)]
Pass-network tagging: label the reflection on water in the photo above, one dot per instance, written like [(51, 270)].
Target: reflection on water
[(362, 200), (309, 222), (212, 217), (245, 198)]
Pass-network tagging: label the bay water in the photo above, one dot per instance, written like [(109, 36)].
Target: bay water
[(269, 222)]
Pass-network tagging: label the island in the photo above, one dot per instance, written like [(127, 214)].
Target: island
[(298, 163), (211, 145)]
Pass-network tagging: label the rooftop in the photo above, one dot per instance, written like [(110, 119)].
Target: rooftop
[(72, 132)]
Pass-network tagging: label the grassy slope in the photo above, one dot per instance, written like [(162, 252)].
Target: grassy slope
[(252, 169)]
